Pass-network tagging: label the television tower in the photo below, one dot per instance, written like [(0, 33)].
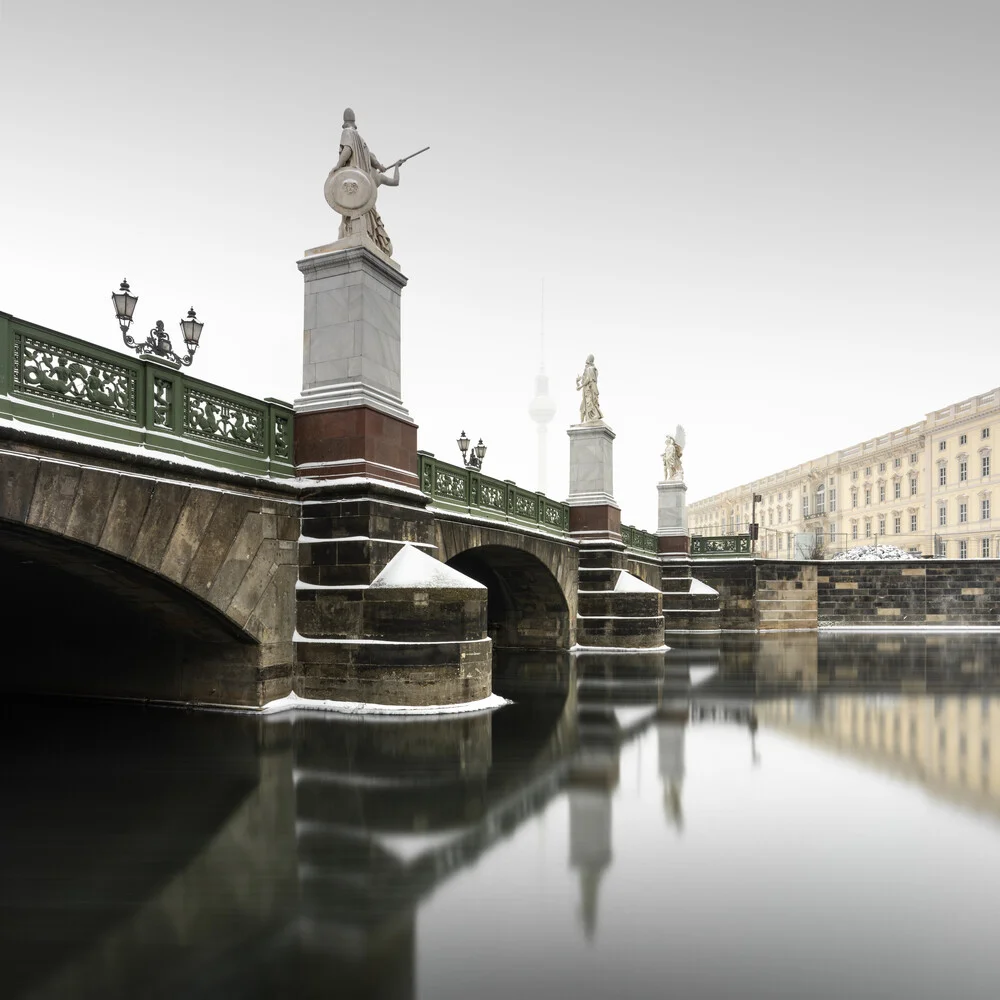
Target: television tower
[(542, 408)]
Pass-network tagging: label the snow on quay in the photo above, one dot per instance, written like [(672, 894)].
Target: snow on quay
[(861, 552)]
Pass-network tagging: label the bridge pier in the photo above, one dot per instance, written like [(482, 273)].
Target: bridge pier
[(379, 620), (615, 609)]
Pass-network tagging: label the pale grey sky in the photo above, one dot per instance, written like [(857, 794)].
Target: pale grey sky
[(774, 222)]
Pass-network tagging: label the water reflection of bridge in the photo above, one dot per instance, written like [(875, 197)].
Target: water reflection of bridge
[(259, 856), (164, 854)]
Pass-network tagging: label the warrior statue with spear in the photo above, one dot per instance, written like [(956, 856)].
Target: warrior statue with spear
[(352, 187)]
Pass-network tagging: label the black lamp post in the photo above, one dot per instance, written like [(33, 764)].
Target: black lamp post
[(475, 460), (157, 342)]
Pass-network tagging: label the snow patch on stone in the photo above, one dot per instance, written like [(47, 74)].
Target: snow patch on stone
[(617, 649), (629, 584), (697, 587), (628, 715), (292, 702), (412, 568)]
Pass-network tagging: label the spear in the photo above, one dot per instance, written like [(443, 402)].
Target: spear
[(399, 163)]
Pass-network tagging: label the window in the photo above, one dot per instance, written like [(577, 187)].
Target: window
[(820, 499), (854, 498), (986, 466), (833, 534), (913, 522), (881, 525), (805, 506), (985, 549), (963, 513), (986, 433), (781, 496), (897, 524), (897, 489), (779, 515), (868, 529), (868, 471), (964, 439), (942, 475), (854, 530), (868, 496), (833, 500), (881, 467), (984, 509), (942, 445), (913, 458), (854, 475), (940, 548), (943, 515), (913, 486), (963, 549), (963, 471), (897, 463)]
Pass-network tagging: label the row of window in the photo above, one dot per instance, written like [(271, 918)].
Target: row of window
[(963, 470), (964, 439)]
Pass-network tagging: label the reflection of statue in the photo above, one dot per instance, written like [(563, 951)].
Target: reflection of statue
[(672, 452), (587, 383), (353, 185)]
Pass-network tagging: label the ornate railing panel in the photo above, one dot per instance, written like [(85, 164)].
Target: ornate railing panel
[(50, 380), (636, 538), (468, 490), (720, 545)]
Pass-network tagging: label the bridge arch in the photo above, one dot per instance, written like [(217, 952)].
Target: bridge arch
[(129, 581), (531, 580)]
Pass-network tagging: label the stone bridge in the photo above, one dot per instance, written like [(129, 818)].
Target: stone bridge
[(164, 538)]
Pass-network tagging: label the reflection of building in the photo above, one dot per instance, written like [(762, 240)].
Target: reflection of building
[(951, 743), (927, 487), (670, 746)]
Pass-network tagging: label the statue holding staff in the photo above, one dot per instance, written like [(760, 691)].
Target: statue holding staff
[(586, 383), (352, 186)]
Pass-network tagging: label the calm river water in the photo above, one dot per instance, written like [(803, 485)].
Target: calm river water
[(811, 818)]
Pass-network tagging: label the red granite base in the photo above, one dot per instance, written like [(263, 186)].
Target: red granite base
[(596, 522), (674, 544), (355, 441)]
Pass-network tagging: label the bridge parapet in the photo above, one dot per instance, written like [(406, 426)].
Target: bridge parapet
[(62, 383), (639, 540), (467, 490)]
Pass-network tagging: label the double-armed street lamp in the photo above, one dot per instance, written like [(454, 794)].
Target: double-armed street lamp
[(157, 342), (475, 460)]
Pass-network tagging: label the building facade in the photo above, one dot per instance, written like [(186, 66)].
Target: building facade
[(926, 488)]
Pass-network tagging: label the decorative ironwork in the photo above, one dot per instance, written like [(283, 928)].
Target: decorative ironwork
[(491, 496), (163, 402), (720, 545), (636, 538), (213, 417), (525, 506), (69, 376), (282, 442), (107, 396), (448, 484), (460, 489)]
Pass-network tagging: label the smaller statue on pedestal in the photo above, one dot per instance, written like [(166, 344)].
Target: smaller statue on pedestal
[(590, 410), (672, 452)]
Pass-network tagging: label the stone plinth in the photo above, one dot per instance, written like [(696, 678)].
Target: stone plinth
[(350, 419), (671, 511), (379, 619), (594, 513)]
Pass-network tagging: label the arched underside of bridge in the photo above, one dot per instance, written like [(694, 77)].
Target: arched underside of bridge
[(79, 621), (531, 583)]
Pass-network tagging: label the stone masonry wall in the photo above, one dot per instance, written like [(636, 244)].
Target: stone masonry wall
[(910, 592)]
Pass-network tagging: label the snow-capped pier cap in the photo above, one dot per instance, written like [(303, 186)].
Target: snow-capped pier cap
[(411, 568), (629, 584)]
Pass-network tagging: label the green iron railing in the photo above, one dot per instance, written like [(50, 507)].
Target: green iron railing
[(468, 490), (720, 545), (636, 538), (50, 380)]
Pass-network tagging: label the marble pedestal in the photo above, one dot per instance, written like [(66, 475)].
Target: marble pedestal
[(593, 511), (671, 516), (350, 419)]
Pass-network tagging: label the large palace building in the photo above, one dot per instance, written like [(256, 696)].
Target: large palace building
[(927, 488)]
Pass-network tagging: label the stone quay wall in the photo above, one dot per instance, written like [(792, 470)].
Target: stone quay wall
[(910, 592), (763, 594)]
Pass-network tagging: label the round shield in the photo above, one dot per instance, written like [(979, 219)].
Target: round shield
[(350, 191)]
